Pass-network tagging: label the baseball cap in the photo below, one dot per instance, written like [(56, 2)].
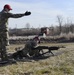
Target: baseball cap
[(7, 6)]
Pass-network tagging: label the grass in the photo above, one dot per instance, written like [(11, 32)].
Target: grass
[(62, 64)]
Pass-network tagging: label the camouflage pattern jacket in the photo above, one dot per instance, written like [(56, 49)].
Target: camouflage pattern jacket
[(29, 47), (4, 15)]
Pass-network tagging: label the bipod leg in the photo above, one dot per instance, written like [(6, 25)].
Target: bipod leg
[(51, 52)]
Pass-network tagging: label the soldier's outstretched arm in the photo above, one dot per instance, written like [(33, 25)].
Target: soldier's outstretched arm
[(11, 15)]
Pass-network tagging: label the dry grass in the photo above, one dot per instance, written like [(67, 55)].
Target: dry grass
[(62, 64)]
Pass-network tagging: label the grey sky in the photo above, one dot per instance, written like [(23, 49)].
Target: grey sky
[(44, 12)]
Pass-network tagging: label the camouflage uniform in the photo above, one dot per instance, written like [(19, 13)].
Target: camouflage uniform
[(29, 48), (4, 36)]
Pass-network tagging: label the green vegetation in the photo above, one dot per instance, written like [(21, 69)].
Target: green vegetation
[(61, 64)]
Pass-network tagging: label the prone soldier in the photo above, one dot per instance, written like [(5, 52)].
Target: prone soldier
[(30, 47), (28, 50)]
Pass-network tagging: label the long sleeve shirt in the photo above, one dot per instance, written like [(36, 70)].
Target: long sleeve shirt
[(4, 16), (29, 47), (30, 44)]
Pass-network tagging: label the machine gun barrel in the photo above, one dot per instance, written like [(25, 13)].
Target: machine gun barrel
[(50, 48), (53, 48)]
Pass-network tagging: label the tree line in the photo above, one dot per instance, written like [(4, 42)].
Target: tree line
[(67, 27)]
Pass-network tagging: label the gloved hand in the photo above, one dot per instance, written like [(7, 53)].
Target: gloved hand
[(27, 13)]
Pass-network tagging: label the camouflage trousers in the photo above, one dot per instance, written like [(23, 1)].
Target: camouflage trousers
[(30, 51), (3, 44)]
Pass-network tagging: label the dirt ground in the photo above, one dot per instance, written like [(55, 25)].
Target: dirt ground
[(62, 63)]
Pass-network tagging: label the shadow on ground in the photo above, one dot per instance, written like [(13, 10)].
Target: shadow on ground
[(30, 59)]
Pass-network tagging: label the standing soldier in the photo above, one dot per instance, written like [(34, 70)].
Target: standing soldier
[(4, 16)]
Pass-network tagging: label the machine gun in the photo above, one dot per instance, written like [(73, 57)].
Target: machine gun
[(41, 50)]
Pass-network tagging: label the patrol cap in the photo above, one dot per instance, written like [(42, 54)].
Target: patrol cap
[(7, 6), (36, 38)]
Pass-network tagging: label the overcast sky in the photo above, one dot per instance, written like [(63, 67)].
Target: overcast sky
[(44, 12)]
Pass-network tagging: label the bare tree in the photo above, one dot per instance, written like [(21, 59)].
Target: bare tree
[(60, 20), (27, 26)]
